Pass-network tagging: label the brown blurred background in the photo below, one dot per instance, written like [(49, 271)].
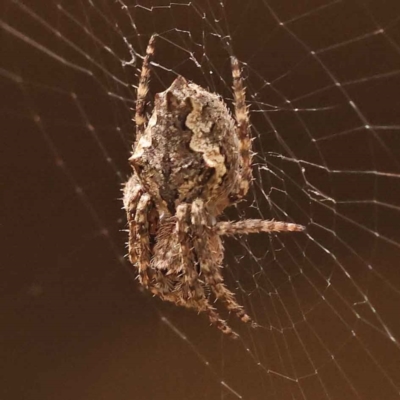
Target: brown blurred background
[(74, 322)]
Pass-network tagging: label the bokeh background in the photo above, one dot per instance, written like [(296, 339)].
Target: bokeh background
[(323, 84)]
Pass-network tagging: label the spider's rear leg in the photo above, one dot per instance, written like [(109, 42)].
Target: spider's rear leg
[(139, 236), (209, 262)]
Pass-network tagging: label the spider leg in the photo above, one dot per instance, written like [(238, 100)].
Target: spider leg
[(142, 90), (244, 178), (132, 192), (255, 226), (139, 237), (182, 228), (192, 287), (208, 266), (216, 320)]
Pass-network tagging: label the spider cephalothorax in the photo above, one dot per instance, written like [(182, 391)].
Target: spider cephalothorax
[(190, 161)]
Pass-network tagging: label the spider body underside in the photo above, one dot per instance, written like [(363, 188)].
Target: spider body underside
[(190, 161)]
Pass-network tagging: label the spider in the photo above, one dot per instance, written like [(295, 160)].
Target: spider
[(190, 161)]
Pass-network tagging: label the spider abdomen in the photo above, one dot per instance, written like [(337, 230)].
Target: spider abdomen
[(188, 149)]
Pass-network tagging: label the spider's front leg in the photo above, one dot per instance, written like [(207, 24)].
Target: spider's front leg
[(186, 254), (230, 228), (210, 260), (244, 177), (192, 287), (142, 90)]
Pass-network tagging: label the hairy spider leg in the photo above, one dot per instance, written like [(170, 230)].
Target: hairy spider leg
[(208, 265), (139, 238), (192, 284), (243, 132), (143, 89), (230, 228), (186, 254)]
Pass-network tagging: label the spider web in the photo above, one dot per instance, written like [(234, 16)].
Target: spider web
[(323, 81)]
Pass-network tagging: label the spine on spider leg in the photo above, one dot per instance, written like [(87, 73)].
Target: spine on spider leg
[(143, 88), (255, 226)]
